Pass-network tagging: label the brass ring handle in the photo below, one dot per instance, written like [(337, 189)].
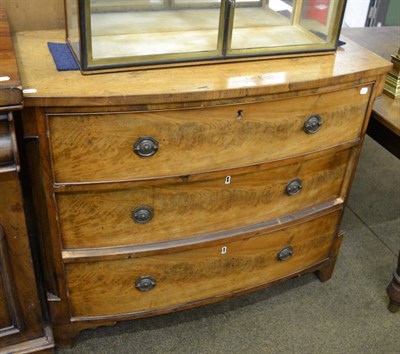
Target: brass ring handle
[(142, 214), (145, 146), (294, 187), (285, 253), (312, 124), (145, 283)]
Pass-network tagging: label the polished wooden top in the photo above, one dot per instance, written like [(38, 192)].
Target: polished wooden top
[(191, 83), (10, 83)]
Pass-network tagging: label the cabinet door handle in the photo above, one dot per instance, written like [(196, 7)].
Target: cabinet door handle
[(142, 214), (312, 124), (294, 187), (285, 253), (7, 147), (145, 146)]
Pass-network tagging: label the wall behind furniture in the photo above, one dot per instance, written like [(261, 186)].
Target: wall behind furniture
[(393, 13), (27, 15), (356, 13)]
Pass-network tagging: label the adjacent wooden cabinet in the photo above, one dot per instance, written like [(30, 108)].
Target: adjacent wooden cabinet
[(23, 328), (160, 190)]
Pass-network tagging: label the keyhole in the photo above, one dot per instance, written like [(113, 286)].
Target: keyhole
[(224, 250), (227, 179), (240, 114)]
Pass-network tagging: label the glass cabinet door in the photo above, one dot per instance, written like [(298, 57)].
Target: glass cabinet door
[(122, 33), (154, 30), (283, 25)]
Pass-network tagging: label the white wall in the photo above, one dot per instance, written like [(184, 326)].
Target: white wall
[(356, 13)]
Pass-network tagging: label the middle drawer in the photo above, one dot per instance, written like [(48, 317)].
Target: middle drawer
[(139, 213)]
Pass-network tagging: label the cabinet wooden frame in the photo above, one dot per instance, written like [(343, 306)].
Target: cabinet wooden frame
[(224, 51), (8, 290), (28, 329), (25, 328)]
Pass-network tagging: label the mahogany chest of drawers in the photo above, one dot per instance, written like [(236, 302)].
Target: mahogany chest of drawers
[(161, 190)]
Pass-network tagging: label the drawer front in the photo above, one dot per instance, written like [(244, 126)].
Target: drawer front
[(108, 147), (119, 286), (199, 206)]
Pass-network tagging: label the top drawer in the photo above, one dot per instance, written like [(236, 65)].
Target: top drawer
[(101, 147)]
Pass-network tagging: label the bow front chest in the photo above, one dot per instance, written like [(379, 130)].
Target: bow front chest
[(160, 190)]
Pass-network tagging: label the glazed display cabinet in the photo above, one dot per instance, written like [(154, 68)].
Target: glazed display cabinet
[(105, 34)]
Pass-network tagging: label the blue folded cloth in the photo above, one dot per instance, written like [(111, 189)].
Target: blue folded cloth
[(62, 56)]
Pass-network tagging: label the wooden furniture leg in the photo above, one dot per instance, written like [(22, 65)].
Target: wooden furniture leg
[(325, 273), (393, 290)]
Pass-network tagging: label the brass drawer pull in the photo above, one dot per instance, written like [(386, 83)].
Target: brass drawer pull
[(312, 124), (294, 187), (142, 214), (285, 253), (145, 146), (145, 283)]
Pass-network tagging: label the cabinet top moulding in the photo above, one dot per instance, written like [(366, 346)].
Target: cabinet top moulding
[(184, 84), (10, 82)]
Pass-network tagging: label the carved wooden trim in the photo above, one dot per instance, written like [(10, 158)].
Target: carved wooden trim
[(9, 289), (6, 143), (9, 160)]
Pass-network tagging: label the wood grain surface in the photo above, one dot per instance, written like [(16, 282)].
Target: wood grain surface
[(10, 83), (21, 278), (4, 311), (22, 325), (10, 313), (201, 83), (181, 210), (6, 142), (87, 179), (108, 288), (99, 147), (28, 15)]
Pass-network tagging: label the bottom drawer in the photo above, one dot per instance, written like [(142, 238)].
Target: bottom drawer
[(105, 288)]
